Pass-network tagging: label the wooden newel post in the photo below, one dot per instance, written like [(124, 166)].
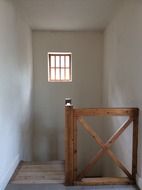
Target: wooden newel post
[(69, 138)]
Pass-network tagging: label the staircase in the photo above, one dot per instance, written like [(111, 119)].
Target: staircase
[(39, 173)]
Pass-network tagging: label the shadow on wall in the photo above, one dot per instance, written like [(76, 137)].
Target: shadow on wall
[(45, 142), (119, 97), (26, 140)]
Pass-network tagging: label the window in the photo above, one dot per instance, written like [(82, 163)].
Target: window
[(59, 67)]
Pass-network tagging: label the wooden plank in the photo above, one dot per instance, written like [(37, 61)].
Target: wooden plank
[(88, 128), (105, 181), (38, 177), (30, 163), (69, 149), (41, 173), (38, 173), (117, 134), (104, 147), (119, 163), (44, 166), (105, 112), (90, 165), (42, 169), (38, 181), (75, 149), (66, 147), (135, 145)]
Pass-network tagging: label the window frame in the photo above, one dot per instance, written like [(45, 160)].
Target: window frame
[(60, 67)]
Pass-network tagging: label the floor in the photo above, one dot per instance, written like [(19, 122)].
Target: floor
[(39, 173), (49, 176), (62, 187)]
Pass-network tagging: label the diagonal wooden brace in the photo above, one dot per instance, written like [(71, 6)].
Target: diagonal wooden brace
[(105, 147)]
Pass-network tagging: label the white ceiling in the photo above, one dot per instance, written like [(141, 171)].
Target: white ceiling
[(70, 15)]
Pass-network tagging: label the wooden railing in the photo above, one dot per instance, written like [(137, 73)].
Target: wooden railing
[(72, 115)]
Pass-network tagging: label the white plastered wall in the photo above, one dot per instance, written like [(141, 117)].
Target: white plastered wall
[(123, 76), (85, 89), (15, 91)]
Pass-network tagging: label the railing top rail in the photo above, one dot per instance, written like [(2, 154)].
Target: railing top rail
[(106, 111)]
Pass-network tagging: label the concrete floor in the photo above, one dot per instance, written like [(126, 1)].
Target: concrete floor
[(62, 187)]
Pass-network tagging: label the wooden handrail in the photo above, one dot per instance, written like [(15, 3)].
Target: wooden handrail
[(72, 115), (105, 112)]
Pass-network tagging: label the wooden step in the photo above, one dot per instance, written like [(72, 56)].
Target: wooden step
[(38, 173), (105, 181)]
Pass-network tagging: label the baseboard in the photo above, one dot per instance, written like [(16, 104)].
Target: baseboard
[(8, 174), (139, 182)]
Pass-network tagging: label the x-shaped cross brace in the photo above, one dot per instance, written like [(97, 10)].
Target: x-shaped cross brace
[(104, 147)]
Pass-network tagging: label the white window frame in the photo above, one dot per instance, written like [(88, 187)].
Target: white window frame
[(66, 75)]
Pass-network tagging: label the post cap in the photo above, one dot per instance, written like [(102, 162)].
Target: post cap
[(68, 102)]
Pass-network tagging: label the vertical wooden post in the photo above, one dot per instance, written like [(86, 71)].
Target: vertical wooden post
[(75, 149), (135, 143), (69, 143)]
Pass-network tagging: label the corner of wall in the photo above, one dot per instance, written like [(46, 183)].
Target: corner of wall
[(8, 174), (139, 182)]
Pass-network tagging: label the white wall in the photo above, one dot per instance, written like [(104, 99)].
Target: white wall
[(15, 91), (85, 89), (122, 72)]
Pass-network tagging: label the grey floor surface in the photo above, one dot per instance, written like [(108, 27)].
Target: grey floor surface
[(62, 187)]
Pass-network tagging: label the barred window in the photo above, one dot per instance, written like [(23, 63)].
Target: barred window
[(59, 67)]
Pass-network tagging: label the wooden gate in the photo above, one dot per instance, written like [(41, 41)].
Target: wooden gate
[(72, 115)]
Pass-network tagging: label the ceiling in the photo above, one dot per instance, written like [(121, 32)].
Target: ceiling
[(68, 15)]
